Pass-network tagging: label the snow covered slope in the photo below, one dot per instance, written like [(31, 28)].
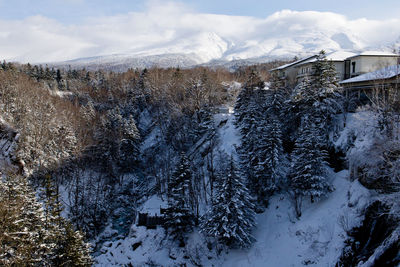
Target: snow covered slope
[(120, 63), (282, 240), (8, 145), (316, 239)]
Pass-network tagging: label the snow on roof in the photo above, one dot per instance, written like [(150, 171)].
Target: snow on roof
[(339, 55), (376, 53), (294, 63), (334, 56), (382, 74)]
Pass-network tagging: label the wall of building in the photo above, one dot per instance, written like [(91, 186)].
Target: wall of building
[(366, 64), (339, 66), (307, 69), (291, 74)]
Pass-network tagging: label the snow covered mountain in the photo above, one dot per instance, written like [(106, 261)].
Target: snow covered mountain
[(190, 39), (212, 50)]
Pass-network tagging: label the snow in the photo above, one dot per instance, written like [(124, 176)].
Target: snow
[(295, 63), (8, 146), (361, 128), (60, 93), (229, 137), (334, 56), (282, 240), (316, 239), (376, 53), (381, 74), (153, 205)]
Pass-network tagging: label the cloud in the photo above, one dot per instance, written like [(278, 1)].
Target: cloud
[(173, 28)]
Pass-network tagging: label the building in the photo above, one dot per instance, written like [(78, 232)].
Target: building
[(368, 61), (347, 65), (288, 72), (338, 58), (375, 83)]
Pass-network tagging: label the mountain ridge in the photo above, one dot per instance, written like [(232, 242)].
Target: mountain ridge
[(210, 49)]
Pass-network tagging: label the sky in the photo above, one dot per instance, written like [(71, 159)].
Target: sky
[(58, 30), (75, 11)]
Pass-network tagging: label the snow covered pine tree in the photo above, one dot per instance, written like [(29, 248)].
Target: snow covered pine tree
[(29, 236), (308, 166), (179, 218), (231, 217)]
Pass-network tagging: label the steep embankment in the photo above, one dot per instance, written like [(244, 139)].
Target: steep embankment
[(317, 238), (8, 145)]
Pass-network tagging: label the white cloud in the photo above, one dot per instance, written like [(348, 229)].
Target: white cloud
[(173, 28)]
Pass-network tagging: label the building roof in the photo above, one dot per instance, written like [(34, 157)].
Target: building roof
[(294, 63), (334, 56), (375, 54), (382, 74)]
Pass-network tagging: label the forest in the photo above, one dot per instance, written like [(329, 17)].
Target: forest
[(82, 151)]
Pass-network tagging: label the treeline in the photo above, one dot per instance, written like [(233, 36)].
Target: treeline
[(81, 131)]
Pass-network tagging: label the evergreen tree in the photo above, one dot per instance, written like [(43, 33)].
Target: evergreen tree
[(32, 236), (261, 151), (271, 139), (23, 237), (318, 96), (253, 83), (231, 217), (270, 171), (129, 152), (68, 246), (308, 174), (71, 250), (119, 142), (179, 219)]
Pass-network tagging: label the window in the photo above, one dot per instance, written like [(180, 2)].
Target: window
[(353, 67)]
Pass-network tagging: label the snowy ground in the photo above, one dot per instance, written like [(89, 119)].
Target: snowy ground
[(228, 135), (282, 240), (315, 239)]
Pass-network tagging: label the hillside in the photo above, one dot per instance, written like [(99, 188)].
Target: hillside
[(197, 166)]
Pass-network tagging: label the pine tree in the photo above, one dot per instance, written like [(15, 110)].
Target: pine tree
[(23, 237), (33, 236), (308, 175), (270, 171), (119, 142), (231, 217), (179, 219), (271, 138), (261, 151), (253, 83), (318, 96), (68, 246), (129, 152), (71, 250), (327, 98)]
